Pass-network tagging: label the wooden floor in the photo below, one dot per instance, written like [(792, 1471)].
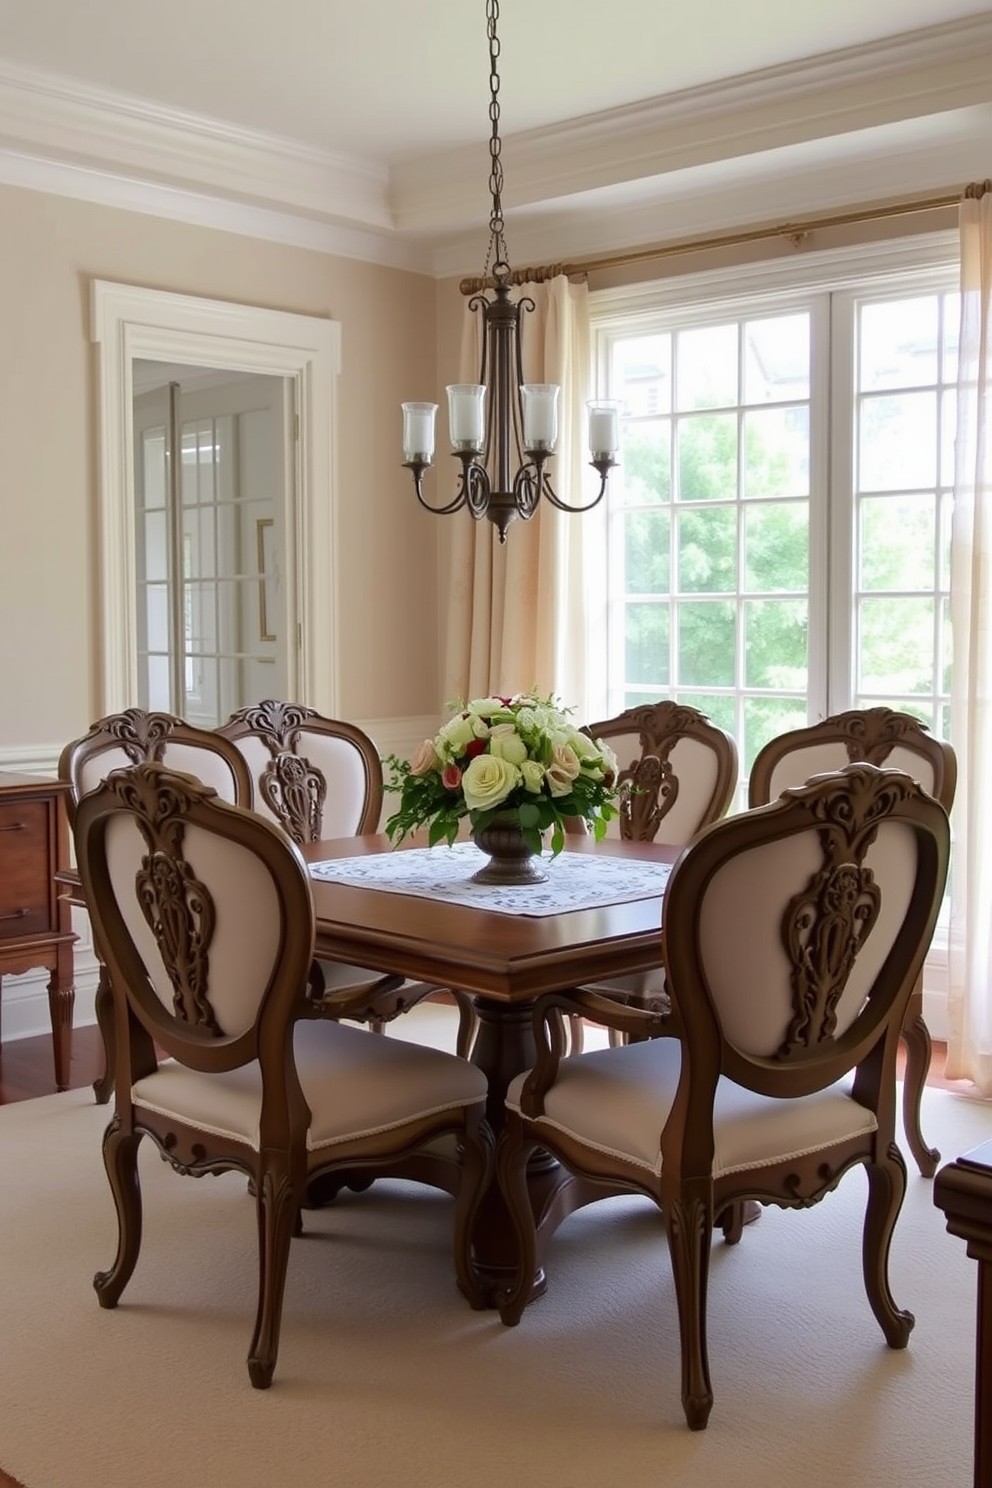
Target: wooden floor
[(26, 1068)]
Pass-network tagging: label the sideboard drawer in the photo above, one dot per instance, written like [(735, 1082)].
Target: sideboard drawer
[(25, 868)]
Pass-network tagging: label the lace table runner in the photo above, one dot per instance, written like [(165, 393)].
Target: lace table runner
[(575, 880)]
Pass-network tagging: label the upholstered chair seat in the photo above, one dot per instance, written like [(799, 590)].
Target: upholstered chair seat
[(355, 1087)]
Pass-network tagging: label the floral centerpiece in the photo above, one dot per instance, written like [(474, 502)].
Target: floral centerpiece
[(519, 758)]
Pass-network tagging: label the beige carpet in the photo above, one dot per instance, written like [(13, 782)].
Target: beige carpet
[(386, 1379)]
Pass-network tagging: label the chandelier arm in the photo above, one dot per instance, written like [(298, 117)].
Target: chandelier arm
[(454, 505), (604, 477)]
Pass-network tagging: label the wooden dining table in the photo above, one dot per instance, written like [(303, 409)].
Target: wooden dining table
[(504, 962)]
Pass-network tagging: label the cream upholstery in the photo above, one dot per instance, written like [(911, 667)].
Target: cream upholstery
[(319, 778), (683, 770), (897, 741), (791, 936), (205, 914)]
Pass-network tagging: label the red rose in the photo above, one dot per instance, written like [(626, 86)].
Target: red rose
[(451, 777), (476, 746)]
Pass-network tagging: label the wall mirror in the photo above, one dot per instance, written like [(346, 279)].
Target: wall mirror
[(217, 528)]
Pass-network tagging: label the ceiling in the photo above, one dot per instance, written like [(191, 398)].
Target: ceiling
[(362, 125)]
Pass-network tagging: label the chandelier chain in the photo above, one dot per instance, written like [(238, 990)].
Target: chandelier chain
[(496, 260)]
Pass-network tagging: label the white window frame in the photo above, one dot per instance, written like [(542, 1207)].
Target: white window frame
[(933, 262)]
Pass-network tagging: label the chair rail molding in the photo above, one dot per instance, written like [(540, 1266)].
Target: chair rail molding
[(129, 322)]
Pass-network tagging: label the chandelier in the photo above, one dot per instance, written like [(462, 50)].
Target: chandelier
[(502, 430)]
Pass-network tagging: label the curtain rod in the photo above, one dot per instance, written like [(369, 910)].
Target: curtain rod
[(795, 232)]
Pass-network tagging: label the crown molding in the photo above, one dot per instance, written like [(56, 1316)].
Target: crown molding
[(83, 183), (610, 180), (918, 75), (59, 120)]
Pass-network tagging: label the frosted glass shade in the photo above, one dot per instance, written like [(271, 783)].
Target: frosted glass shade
[(540, 401), (466, 415), (604, 429), (418, 432)]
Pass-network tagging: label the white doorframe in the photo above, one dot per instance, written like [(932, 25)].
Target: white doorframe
[(129, 323)]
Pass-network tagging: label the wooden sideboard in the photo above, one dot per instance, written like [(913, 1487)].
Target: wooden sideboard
[(35, 928)]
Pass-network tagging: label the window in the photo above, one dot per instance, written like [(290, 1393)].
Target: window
[(777, 535)]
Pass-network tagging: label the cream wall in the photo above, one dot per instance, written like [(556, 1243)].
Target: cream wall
[(52, 248)]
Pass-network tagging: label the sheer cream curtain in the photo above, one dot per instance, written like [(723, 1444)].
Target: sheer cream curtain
[(516, 617), (969, 1052)]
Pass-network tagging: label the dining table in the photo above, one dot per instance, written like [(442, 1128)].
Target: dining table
[(418, 914)]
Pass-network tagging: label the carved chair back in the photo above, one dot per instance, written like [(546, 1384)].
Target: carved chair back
[(316, 777), (204, 914), (879, 736), (683, 770), (792, 934), (135, 737)]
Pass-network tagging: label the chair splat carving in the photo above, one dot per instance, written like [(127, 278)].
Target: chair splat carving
[(825, 925), (142, 736), (177, 906), (874, 732), (291, 786)]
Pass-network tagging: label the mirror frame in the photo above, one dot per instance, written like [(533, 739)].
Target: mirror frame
[(128, 323)]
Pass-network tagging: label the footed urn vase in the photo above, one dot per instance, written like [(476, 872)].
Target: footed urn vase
[(511, 861)]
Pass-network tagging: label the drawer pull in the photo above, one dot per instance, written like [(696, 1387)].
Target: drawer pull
[(17, 914), (13, 827)]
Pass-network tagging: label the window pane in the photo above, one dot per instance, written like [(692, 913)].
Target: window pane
[(153, 467), (776, 359), (706, 367), (896, 652), (707, 645), (646, 552), (718, 707), (646, 462), (646, 648), (157, 637), (776, 547), (706, 542), (898, 442), (898, 537), (776, 452), (642, 374), (775, 643), (707, 455), (899, 343), (156, 547), (765, 718)]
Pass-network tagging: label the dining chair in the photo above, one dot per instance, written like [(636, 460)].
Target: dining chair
[(317, 778), (881, 736), (791, 935), (206, 917), (679, 771), (135, 737)]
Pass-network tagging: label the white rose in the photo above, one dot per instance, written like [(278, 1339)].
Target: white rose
[(487, 781), (506, 743), (533, 776), (456, 736)]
